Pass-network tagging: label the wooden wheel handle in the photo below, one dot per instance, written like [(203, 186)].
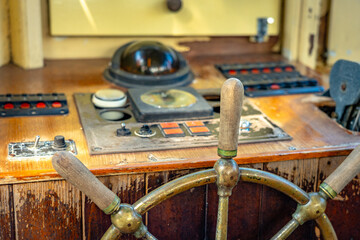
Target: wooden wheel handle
[(74, 171), (347, 170), (232, 93)]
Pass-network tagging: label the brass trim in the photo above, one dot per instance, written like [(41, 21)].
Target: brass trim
[(328, 190), (227, 153), (286, 230), (326, 228), (275, 182), (222, 218), (112, 233), (173, 188), (114, 206)]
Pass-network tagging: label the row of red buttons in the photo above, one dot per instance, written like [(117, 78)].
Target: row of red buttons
[(26, 105), (195, 128), (264, 70)]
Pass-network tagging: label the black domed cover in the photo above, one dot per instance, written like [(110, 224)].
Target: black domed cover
[(146, 64)]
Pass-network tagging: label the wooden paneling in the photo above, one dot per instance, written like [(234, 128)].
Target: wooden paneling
[(128, 187), (47, 210), (180, 217), (277, 208), (343, 211), (55, 210), (7, 226)]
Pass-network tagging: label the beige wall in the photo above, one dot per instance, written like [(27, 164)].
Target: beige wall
[(344, 31), (4, 33), (152, 18), (103, 47)]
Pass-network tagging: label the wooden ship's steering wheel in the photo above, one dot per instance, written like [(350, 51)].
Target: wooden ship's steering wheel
[(126, 219)]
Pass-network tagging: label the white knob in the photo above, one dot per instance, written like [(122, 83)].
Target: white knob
[(109, 98)]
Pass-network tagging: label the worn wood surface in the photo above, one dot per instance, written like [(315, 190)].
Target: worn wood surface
[(128, 187), (71, 168), (47, 210), (344, 209), (232, 94), (312, 131), (345, 172), (7, 226), (181, 217), (56, 210), (277, 208)]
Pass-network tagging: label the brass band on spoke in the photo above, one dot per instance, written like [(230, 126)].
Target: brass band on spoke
[(328, 190)]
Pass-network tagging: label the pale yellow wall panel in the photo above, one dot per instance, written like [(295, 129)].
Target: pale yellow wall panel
[(152, 18), (95, 47), (344, 31), (26, 34), (4, 33), (291, 31), (309, 32)]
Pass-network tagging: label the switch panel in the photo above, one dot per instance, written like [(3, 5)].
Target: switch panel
[(24, 150)]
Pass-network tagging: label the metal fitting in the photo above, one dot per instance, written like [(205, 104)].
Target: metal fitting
[(228, 175), (311, 210), (126, 219)]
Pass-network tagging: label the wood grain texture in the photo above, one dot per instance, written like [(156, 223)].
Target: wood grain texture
[(7, 226), (344, 173), (129, 188), (180, 217), (51, 210), (343, 210), (232, 94), (312, 131), (277, 208), (75, 172)]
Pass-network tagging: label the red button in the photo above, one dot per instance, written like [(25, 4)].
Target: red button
[(277, 69), (199, 130), (8, 106), (194, 123), (41, 105), (266, 70), (25, 105), (244, 72), (232, 72), (275, 87), (288, 69), (255, 71), (173, 131), (169, 125), (56, 105)]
